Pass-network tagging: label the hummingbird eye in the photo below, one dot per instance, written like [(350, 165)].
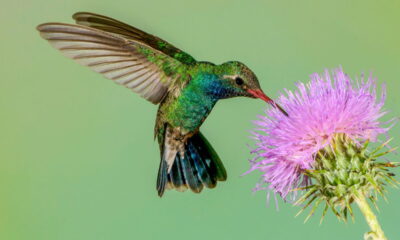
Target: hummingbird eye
[(239, 81)]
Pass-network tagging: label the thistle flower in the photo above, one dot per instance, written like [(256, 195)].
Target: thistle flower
[(322, 147)]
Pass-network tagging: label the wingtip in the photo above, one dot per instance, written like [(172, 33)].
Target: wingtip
[(77, 14), (45, 26), (40, 27)]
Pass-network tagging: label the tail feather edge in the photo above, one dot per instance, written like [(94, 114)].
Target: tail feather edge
[(197, 168)]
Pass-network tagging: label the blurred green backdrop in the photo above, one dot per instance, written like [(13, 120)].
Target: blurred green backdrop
[(77, 156)]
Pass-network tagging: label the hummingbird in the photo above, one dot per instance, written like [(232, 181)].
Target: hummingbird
[(186, 90)]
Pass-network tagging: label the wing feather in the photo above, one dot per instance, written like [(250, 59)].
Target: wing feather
[(126, 62), (119, 28)]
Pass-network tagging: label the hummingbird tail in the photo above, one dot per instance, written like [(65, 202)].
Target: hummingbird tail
[(197, 167)]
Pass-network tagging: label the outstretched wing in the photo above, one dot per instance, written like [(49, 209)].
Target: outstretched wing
[(145, 70), (122, 29)]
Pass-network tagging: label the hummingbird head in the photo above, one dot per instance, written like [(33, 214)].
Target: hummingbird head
[(243, 82)]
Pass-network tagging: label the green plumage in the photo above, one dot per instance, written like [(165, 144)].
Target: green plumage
[(185, 89)]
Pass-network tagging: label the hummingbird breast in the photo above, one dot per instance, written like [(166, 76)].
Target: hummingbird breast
[(190, 108), (189, 111)]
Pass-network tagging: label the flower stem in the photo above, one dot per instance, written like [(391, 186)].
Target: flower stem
[(376, 230)]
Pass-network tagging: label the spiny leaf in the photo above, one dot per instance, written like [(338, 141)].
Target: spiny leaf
[(372, 181), (384, 153), (348, 206), (334, 210), (305, 196), (324, 213), (372, 199), (381, 146), (313, 209), (301, 188), (305, 206), (390, 180), (365, 144), (344, 214)]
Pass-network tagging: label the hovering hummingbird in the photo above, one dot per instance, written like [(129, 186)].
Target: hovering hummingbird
[(185, 89)]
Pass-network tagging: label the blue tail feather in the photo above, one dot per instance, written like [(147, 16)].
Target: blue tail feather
[(177, 174), (204, 172), (190, 173), (199, 167)]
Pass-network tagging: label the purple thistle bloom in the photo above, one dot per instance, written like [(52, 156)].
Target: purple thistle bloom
[(327, 105)]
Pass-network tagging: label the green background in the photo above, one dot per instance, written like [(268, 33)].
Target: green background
[(77, 156)]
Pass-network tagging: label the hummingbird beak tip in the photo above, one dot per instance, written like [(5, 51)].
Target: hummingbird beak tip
[(258, 93)]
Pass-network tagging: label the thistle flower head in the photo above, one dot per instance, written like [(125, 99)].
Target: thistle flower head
[(321, 145)]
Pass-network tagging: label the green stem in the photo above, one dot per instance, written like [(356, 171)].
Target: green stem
[(376, 230)]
